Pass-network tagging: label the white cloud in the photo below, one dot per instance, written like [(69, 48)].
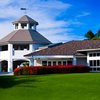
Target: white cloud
[(4, 2), (56, 34), (5, 28), (43, 11), (83, 14)]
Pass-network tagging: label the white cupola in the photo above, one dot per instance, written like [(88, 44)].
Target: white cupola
[(25, 22)]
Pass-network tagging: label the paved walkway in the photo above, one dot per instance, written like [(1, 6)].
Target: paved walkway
[(6, 74)]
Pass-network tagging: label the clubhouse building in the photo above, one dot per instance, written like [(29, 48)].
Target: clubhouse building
[(26, 44), (22, 40)]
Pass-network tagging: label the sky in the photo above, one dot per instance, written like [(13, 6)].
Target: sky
[(59, 20)]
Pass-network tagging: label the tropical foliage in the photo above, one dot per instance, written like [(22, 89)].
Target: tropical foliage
[(92, 36)]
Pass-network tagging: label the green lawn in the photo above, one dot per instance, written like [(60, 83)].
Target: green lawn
[(51, 87)]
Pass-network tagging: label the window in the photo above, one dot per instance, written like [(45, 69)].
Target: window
[(69, 62), (44, 63), (21, 47), (91, 63), (54, 63), (98, 69), (90, 55), (59, 62), (64, 63), (98, 62), (16, 26), (31, 26), (94, 62), (94, 69), (94, 54), (23, 25), (49, 63), (4, 48), (98, 54)]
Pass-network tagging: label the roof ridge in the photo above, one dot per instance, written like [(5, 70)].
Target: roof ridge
[(80, 41), (27, 19)]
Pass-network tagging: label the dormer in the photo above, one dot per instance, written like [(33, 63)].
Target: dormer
[(25, 22)]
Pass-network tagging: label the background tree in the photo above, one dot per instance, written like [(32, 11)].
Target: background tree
[(89, 35), (98, 34)]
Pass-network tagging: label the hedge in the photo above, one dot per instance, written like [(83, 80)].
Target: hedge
[(34, 70)]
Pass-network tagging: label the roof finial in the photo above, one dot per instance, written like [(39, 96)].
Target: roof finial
[(24, 10)]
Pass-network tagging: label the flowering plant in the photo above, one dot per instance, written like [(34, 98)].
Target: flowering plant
[(30, 70)]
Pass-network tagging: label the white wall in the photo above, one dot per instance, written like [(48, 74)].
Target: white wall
[(39, 61), (4, 55), (93, 58), (20, 53)]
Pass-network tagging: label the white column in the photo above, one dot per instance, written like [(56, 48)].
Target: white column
[(28, 26), (74, 60), (35, 64), (88, 59), (31, 62), (31, 48), (10, 60), (19, 26), (10, 66)]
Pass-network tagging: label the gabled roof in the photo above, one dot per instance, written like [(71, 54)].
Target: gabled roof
[(24, 36), (26, 19), (68, 48)]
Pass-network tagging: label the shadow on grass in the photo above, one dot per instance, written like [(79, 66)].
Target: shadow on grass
[(10, 81)]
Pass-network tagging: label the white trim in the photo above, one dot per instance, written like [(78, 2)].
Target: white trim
[(81, 56), (58, 56), (20, 59), (89, 49)]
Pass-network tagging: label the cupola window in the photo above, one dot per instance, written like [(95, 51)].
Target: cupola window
[(23, 25), (16, 26)]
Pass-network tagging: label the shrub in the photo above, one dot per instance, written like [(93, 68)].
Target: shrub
[(17, 71), (50, 69)]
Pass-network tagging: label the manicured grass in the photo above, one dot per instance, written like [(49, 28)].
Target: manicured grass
[(84, 86)]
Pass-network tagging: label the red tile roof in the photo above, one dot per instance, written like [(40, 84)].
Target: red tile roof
[(68, 48)]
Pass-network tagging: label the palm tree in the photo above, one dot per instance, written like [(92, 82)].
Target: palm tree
[(98, 34), (89, 35)]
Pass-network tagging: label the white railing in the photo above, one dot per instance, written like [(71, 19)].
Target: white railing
[(4, 54), (15, 54), (20, 53)]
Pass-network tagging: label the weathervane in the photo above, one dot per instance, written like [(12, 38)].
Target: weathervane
[(24, 9)]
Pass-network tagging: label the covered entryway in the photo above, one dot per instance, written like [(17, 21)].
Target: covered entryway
[(18, 63), (4, 66)]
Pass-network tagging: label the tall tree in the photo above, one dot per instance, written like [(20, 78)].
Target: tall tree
[(98, 34), (89, 35)]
